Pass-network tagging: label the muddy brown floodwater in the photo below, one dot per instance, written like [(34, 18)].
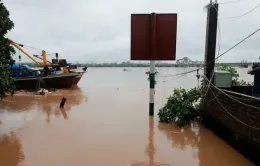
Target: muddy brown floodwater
[(105, 122)]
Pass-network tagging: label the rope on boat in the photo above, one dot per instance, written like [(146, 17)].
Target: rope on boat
[(42, 82)]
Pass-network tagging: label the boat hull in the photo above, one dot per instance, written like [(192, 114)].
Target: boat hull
[(57, 82), (78, 77)]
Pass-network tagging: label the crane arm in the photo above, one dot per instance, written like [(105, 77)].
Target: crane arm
[(19, 48)]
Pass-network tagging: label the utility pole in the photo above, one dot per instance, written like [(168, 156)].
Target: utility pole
[(211, 37)]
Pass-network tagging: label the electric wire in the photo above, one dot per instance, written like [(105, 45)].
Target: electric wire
[(230, 2), (242, 15), (256, 128), (175, 78), (230, 96), (239, 98), (246, 12), (250, 35)]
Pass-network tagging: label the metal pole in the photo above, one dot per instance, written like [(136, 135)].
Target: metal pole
[(152, 63), (152, 85)]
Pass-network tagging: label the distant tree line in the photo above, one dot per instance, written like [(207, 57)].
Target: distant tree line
[(147, 64), (123, 64)]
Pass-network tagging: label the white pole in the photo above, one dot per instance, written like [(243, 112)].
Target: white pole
[(152, 87)]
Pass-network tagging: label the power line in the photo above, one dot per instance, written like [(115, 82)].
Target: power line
[(174, 78), (229, 2), (230, 96), (218, 52), (184, 73), (241, 14), (256, 128), (236, 44), (245, 13)]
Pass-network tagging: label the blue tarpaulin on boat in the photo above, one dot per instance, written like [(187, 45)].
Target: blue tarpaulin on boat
[(14, 67)]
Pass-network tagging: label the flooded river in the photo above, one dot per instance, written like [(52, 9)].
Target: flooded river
[(105, 122)]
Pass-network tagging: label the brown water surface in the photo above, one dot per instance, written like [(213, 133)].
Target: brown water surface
[(105, 122)]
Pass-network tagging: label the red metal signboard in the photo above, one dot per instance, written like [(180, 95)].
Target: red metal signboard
[(153, 36)]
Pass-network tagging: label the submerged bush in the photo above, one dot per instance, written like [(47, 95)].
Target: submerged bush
[(182, 107)]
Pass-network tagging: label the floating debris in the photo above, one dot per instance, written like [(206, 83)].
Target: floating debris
[(42, 91)]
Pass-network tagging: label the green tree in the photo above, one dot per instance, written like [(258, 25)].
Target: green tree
[(6, 52)]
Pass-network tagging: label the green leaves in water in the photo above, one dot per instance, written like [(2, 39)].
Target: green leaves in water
[(182, 107)]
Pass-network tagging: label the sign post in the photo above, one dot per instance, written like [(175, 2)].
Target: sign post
[(152, 64), (152, 87), (153, 38)]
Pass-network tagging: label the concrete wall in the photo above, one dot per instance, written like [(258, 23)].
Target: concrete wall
[(245, 139)]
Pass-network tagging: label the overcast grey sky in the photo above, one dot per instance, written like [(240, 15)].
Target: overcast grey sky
[(99, 30)]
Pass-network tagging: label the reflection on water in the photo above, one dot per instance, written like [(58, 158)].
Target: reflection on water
[(64, 113), (181, 138), (203, 144), (10, 150), (16, 111), (19, 110), (150, 149), (49, 103), (105, 122), (25, 102)]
